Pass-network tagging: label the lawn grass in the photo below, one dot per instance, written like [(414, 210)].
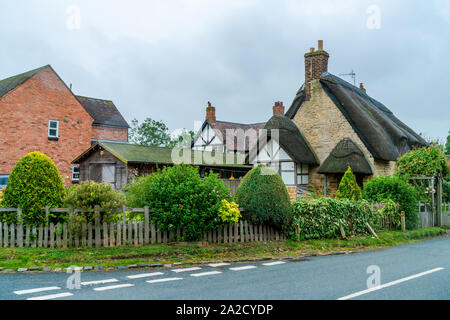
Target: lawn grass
[(13, 258)]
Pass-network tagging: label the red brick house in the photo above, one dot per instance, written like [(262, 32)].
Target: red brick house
[(38, 112)]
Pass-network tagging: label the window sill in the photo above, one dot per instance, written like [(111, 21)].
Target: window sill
[(53, 138)]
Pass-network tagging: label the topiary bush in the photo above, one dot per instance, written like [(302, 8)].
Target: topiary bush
[(323, 217), (446, 191), (180, 198), (89, 194), (33, 184), (264, 199), (397, 189), (348, 187)]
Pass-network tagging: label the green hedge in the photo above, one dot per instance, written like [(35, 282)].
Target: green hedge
[(321, 218), (33, 184), (264, 198), (397, 189)]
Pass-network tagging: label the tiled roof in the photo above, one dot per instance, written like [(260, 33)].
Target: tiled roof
[(104, 112), (9, 84)]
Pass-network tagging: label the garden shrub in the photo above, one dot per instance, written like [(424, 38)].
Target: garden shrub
[(386, 214), (322, 218), (89, 194), (348, 187), (423, 162), (264, 199), (33, 184), (229, 212), (397, 189), (180, 198)]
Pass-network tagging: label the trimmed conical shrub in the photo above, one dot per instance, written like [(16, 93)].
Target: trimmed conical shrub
[(33, 184), (264, 198), (348, 187)]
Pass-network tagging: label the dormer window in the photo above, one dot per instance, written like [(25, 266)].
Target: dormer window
[(53, 128)]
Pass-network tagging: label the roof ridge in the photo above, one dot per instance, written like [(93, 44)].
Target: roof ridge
[(9, 84), (80, 96)]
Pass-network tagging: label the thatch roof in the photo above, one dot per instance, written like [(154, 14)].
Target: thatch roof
[(346, 154), (385, 136), (132, 153), (290, 139)]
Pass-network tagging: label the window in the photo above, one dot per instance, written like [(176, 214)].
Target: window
[(53, 128), (75, 174), (302, 174), (287, 173), (3, 180)]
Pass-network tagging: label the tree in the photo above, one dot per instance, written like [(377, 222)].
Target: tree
[(149, 133), (348, 188), (33, 184), (447, 145), (183, 140)]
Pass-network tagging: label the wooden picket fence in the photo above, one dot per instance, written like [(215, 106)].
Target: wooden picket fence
[(134, 232)]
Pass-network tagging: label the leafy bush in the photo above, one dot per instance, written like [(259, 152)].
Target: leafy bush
[(323, 217), (386, 215), (446, 191), (397, 189), (180, 198), (33, 184), (348, 187), (229, 212), (423, 162), (264, 198), (89, 194)]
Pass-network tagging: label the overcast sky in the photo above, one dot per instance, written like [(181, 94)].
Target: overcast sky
[(166, 59)]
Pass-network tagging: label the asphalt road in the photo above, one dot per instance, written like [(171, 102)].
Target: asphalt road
[(414, 271)]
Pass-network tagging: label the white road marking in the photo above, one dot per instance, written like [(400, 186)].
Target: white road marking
[(273, 263), (118, 286), (186, 269), (242, 268), (88, 283), (164, 280), (145, 275), (205, 274), (215, 265), (36, 290), (356, 294), (52, 296)]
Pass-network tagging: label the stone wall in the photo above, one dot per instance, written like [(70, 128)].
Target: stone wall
[(292, 190)]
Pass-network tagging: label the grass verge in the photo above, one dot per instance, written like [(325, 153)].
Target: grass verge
[(13, 258)]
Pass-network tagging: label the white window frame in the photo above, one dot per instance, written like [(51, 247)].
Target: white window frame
[(73, 174), (50, 128)]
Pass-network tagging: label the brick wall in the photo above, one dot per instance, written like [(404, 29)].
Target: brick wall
[(25, 113), (110, 133)]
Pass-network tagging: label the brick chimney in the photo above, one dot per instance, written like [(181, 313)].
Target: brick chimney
[(278, 109), (316, 63), (211, 113), (361, 86)]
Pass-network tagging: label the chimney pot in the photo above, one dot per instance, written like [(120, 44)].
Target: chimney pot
[(320, 45), (278, 109), (361, 86), (211, 113), (311, 50), (316, 63)]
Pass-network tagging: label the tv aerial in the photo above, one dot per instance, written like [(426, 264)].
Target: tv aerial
[(352, 74)]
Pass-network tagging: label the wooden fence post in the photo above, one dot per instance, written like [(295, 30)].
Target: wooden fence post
[(97, 227), (5, 235), (19, 228), (47, 211), (146, 225), (402, 217), (1, 235), (124, 221)]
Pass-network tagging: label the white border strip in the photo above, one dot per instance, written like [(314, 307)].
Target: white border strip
[(87, 283), (163, 280), (52, 296), (36, 290), (216, 265), (145, 275), (275, 263), (186, 269), (210, 273), (242, 268), (389, 284), (125, 285)]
